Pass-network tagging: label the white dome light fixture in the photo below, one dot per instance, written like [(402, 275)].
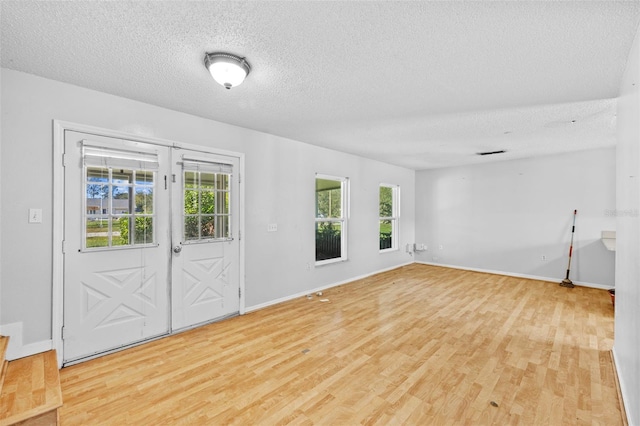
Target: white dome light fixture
[(227, 69)]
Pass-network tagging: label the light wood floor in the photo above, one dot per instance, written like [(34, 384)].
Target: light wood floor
[(420, 345)]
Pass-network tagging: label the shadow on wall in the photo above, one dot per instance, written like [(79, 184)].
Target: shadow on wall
[(591, 262)]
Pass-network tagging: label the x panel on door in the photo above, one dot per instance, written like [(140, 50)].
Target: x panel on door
[(115, 244), (205, 272)]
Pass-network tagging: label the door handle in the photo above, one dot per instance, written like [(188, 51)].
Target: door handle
[(177, 249)]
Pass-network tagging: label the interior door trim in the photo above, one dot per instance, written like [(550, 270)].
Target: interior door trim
[(59, 129)]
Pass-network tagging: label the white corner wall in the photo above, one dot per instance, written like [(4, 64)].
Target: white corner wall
[(279, 188), (505, 216), (627, 322)]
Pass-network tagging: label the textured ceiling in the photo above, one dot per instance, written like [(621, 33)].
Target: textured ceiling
[(417, 84)]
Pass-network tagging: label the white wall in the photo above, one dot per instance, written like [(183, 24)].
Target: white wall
[(504, 216), (627, 334), (279, 186)]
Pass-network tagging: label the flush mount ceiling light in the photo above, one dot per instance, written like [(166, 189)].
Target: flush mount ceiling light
[(227, 69)]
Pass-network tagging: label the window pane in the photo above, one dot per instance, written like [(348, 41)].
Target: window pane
[(97, 191), (97, 174), (121, 176), (328, 240), (97, 232), (191, 228), (386, 201), (223, 203), (386, 231), (121, 192), (207, 180), (207, 202), (208, 227), (223, 182), (120, 202), (144, 200), (190, 179), (97, 225), (120, 232), (328, 198), (191, 202), (144, 177), (143, 230), (97, 198), (222, 227)]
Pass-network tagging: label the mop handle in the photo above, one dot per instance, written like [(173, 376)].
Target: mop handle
[(573, 230)]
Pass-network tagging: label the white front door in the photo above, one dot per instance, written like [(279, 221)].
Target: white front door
[(125, 280), (116, 244), (206, 253)]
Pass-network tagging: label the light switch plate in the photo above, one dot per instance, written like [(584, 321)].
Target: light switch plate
[(35, 215)]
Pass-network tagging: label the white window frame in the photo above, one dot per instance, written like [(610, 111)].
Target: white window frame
[(343, 220), (95, 154), (217, 168), (394, 218)]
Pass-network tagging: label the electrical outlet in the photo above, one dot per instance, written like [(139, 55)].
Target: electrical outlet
[(272, 227), (543, 257)]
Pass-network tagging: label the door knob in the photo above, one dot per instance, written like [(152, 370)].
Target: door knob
[(177, 249)]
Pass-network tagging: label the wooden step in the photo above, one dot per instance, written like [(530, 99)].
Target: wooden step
[(31, 393), (4, 343)]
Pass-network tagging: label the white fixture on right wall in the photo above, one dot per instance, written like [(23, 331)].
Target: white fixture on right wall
[(609, 240)]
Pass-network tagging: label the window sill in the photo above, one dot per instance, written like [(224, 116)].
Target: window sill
[(331, 261), (389, 250)]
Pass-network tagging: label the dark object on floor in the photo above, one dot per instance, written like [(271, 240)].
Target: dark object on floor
[(612, 293), (567, 282)]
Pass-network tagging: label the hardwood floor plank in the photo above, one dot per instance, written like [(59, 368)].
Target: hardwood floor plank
[(416, 345)]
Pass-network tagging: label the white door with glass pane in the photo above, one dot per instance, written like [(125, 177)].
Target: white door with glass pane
[(116, 243), (206, 269), (146, 252)]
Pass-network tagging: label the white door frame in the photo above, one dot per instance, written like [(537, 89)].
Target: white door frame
[(59, 127)]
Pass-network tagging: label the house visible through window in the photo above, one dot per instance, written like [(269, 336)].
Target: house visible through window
[(331, 219), (389, 195), (118, 197), (119, 207)]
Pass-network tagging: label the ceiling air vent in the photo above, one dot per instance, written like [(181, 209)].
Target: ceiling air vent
[(502, 151)]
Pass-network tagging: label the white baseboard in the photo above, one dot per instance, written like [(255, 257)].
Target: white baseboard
[(322, 288), (623, 386), (488, 271), (517, 275), (18, 349)]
